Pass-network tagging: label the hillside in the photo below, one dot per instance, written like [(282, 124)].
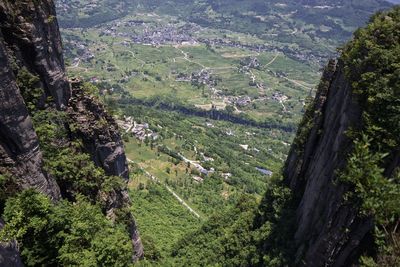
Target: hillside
[(208, 121), (337, 200), (63, 169), (305, 23)]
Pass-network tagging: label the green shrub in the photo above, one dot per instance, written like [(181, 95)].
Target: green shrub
[(66, 234)]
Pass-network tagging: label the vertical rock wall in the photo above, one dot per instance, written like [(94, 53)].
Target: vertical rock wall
[(328, 230), (30, 39), (20, 154)]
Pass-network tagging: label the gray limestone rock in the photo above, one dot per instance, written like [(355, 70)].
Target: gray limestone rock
[(329, 231), (9, 253)]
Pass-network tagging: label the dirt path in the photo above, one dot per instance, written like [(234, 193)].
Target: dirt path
[(297, 83), (155, 179), (186, 57), (135, 57), (272, 61)]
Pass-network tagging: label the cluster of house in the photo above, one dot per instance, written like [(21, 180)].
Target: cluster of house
[(203, 77), (240, 101), (141, 131), (82, 50), (150, 34), (165, 35), (249, 63), (279, 96), (234, 44)]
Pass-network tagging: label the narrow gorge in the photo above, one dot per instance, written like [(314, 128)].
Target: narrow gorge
[(64, 174)]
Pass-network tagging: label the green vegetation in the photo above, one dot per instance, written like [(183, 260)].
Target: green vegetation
[(191, 137), (225, 238), (74, 231), (379, 196), (371, 61), (372, 67), (159, 74), (30, 89), (161, 218), (266, 230), (67, 234), (248, 234)]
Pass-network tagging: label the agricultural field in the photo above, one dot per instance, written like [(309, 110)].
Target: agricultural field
[(207, 115), (195, 168), (159, 56)]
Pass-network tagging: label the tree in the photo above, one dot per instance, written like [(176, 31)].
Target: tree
[(230, 108), (66, 234)]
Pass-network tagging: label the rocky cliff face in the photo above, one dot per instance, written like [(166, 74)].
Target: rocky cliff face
[(31, 32), (30, 40), (101, 138), (99, 132), (19, 146), (329, 231), (9, 254)]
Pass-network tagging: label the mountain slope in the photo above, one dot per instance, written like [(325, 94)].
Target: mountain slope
[(55, 138), (316, 26), (305, 23), (337, 202)]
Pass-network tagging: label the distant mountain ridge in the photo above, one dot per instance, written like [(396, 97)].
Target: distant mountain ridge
[(306, 23), (312, 27)]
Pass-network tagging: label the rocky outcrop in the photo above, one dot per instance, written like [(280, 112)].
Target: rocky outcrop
[(328, 231), (20, 155), (118, 200), (101, 139), (30, 39), (99, 132), (31, 32), (9, 254)]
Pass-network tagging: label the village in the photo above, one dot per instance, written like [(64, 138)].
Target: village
[(145, 32), (143, 133), (149, 33)]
